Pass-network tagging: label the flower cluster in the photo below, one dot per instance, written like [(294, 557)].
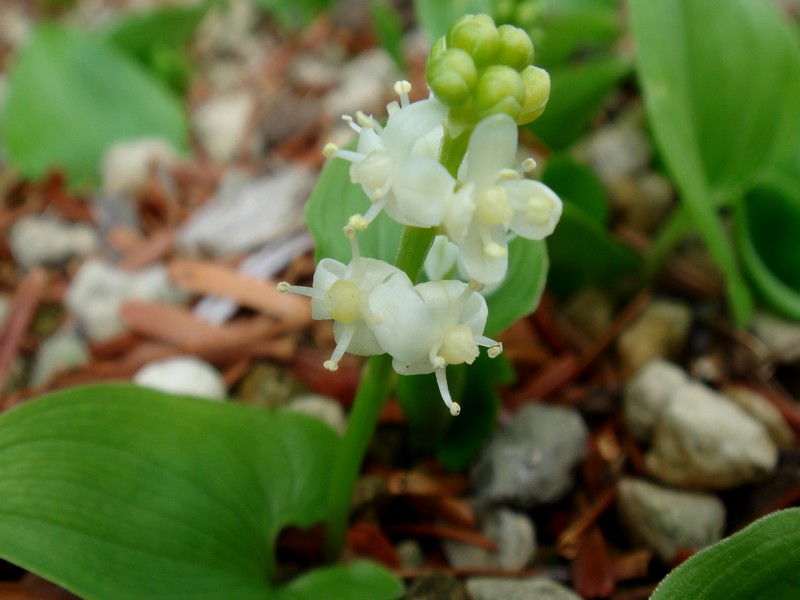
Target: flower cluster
[(482, 86)]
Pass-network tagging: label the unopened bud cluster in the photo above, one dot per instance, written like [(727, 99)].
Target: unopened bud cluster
[(478, 70), (483, 72)]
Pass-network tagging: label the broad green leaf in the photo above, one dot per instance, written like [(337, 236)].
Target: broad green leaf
[(568, 31), (579, 185), (389, 28), (766, 225), (357, 581), (436, 16), (583, 253), (757, 563), (117, 492), (336, 198), (293, 14), (577, 94), (71, 95), (713, 104), (520, 292)]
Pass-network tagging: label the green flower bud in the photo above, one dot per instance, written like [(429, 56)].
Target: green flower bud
[(451, 76), (438, 47), (516, 48), (477, 35), (499, 90), (537, 91)]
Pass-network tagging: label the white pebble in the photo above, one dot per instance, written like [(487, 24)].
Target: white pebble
[(184, 375), (41, 240)]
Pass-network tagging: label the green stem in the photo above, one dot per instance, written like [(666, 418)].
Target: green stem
[(377, 379), (678, 224)]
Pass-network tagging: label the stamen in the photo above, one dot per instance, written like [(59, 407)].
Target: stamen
[(356, 222), (490, 247), (392, 108), (495, 348), (437, 361), (341, 347), (510, 175), (330, 150), (441, 381), (402, 88), (301, 290), (349, 120), (527, 166), (366, 121)]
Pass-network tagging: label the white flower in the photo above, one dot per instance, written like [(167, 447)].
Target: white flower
[(493, 199), (342, 293), (433, 325), (397, 165)]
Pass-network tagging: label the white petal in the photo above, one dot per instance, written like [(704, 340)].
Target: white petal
[(429, 144), (441, 258), (459, 212), (520, 192), (418, 367), (448, 304), (492, 147), (476, 263), (369, 140), (328, 272), (421, 190), (408, 125), (363, 343), (404, 327)]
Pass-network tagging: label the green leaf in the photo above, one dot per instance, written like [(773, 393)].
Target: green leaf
[(70, 96), (521, 290), (583, 253), (717, 136), (118, 492), (357, 581), (389, 28), (293, 14), (435, 16), (579, 185), (757, 563), (580, 29), (766, 222), (335, 198), (577, 94)]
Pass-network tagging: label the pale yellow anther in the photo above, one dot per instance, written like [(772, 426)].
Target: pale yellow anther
[(283, 288), (539, 210), (330, 365), (494, 250), (364, 120), (458, 345), (509, 175), (528, 165), (343, 301), (330, 150), (495, 351), (357, 222), (347, 118), (402, 87), (494, 207), (455, 409)]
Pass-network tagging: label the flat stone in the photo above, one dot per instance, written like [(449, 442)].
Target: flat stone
[(530, 460), (221, 123), (618, 150), (183, 375), (531, 588), (647, 393), (127, 164), (49, 241), (436, 586), (365, 83), (765, 412), (513, 533), (62, 351), (669, 521), (98, 290), (659, 332), (780, 336), (327, 410), (704, 441)]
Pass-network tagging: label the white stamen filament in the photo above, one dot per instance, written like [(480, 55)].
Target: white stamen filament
[(341, 347), (441, 381), (301, 290), (349, 120), (490, 247), (402, 88)]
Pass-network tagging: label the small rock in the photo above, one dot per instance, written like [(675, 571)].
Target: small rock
[(530, 460), (618, 150), (647, 393), (436, 586), (591, 310), (267, 386), (704, 441), (127, 164), (325, 409), (765, 412), (668, 521), (58, 353), (48, 241), (532, 588), (221, 124), (99, 289), (513, 533), (780, 336), (183, 375), (410, 554), (651, 197), (659, 332)]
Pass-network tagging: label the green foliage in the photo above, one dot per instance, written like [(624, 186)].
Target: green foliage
[(389, 29), (435, 16), (293, 14), (598, 258), (71, 95), (577, 94), (334, 199), (431, 428), (757, 563), (156, 39), (713, 105), (119, 492)]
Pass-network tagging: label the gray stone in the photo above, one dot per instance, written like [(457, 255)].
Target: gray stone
[(647, 393), (513, 533), (221, 123), (531, 588), (765, 412), (659, 332), (530, 460), (325, 409), (618, 150), (436, 586), (705, 441), (49, 241), (99, 289), (668, 521), (780, 336), (410, 554), (127, 164), (183, 375), (365, 83), (62, 351)]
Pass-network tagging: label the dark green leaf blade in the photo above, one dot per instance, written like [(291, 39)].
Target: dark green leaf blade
[(70, 96), (356, 581), (757, 563), (118, 492)]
